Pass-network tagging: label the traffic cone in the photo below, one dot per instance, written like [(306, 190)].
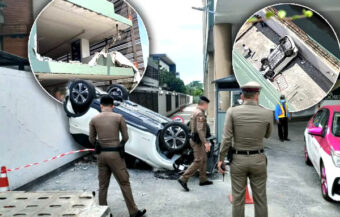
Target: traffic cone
[(249, 198), (4, 184)]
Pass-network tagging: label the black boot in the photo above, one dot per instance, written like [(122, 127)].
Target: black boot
[(206, 183), (184, 185), (139, 213)]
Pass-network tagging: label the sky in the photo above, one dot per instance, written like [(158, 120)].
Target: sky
[(175, 29)]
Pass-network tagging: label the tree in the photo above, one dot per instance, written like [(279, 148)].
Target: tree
[(169, 81), (195, 89)]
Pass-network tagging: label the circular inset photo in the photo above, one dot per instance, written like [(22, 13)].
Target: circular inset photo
[(102, 42), (290, 50)]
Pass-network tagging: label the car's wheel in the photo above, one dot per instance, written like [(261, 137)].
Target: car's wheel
[(118, 90), (324, 185), (264, 61), (307, 159), (289, 53), (81, 95), (174, 137)]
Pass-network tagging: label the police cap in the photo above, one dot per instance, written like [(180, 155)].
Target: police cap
[(205, 99), (251, 86)]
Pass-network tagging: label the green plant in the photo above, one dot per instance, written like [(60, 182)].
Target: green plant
[(170, 81), (282, 14)]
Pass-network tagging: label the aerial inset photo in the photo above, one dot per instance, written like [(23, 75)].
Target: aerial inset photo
[(104, 42), (290, 50)]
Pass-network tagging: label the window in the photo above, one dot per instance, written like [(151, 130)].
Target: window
[(168, 102), (336, 124), (321, 119)]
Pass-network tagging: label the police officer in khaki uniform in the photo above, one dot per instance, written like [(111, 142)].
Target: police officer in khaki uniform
[(198, 142), (106, 126), (245, 127)]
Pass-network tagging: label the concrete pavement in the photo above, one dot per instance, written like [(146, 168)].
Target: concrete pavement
[(293, 187)]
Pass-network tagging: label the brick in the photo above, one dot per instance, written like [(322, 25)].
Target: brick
[(15, 45)]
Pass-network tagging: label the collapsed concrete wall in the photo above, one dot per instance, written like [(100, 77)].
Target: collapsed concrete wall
[(33, 127)]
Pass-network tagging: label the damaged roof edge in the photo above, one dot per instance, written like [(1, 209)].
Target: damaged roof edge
[(102, 7), (54, 67)]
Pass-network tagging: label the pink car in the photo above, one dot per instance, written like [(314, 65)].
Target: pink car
[(322, 150)]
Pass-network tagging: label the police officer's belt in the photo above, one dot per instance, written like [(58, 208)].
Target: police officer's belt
[(248, 152)]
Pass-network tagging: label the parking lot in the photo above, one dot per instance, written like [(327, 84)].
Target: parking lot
[(293, 187), (299, 94)]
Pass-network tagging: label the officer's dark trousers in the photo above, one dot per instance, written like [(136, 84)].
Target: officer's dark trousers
[(200, 163), (253, 167), (283, 128), (111, 163)]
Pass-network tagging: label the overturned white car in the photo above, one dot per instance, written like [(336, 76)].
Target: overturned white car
[(278, 58), (153, 138)]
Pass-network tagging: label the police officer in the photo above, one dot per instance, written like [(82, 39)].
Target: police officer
[(106, 126), (281, 116), (198, 142), (245, 127)]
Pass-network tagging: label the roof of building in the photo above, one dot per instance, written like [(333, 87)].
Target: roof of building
[(164, 58)]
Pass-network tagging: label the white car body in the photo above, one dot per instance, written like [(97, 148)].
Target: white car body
[(278, 59), (153, 138), (316, 154), (319, 152), (137, 139)]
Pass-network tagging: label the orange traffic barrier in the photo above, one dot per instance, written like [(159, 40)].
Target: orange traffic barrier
[(4, 184), (249, 198)]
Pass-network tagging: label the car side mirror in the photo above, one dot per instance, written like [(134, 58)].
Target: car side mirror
[(316, 131)]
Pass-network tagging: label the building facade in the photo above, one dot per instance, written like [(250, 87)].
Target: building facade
[(18, 19)]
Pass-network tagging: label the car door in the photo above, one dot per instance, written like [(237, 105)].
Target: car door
[(321, 120)]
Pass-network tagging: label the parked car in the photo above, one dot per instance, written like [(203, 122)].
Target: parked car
[(279, 57), (322, 149), (153, 138)]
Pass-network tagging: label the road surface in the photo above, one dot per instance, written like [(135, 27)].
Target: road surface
[(293, 187)]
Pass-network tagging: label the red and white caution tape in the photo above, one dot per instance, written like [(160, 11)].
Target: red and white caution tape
[(50, 159)]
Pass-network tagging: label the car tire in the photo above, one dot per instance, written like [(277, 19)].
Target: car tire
[(71, 114), (264, 61), (118, 90), (81, 95), (174, 137), (289, 53), (324, 185), (307, 159)]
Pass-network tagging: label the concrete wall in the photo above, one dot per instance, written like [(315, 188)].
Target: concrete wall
[(161, 102), (33, 127), (306, 51), (162, 99)]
